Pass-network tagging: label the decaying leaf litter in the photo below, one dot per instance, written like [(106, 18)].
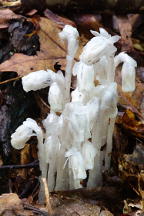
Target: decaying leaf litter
[(123, 186)]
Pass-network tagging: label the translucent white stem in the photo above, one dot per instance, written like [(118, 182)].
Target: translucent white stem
[(68, 76), (109, 143), (43, 168), (62, 181), (110, 69), (95, 175)]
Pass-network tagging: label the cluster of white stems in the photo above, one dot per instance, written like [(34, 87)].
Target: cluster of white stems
[(77, 141)]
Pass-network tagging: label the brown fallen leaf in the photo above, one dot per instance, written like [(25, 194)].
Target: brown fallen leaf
[(125, 29), (79, 207), (61, 21), (131, 124), (52, 50), (6, 15), (10, 202)]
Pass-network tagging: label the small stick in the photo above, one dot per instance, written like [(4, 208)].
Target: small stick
[(35, 210), (10, 80), (47, 197), (29, 165)]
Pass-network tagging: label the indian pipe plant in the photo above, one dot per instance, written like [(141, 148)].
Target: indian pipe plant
[(70, 150)]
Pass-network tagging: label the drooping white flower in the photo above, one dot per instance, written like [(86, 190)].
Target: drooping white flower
[(56, 97), (103, 33), (128, 71), (128, 77), (24, 132), (37, 80), (101, 45), (20, 137), (42, 79), (124, 57), (70, 34)]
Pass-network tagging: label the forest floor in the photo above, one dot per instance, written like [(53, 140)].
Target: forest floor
[(29, 42)]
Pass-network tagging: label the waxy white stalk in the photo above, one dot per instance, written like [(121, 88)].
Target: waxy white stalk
[(56, 97), (70, 35), (88, 153)]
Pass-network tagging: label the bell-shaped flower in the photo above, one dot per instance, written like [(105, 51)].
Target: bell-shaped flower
[(24, 132), (128, 71), (128, 77), (37, 80), (103, 33), (88, 153), (70, 34), (76, 163), (56, 97), (109, 101), (101, 45), (21, 136), (42, 79)]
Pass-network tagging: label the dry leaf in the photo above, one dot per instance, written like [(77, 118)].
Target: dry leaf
[(10, 202), (61, 21), (51, 51), (129, 122), (5, 15), (125, 28)]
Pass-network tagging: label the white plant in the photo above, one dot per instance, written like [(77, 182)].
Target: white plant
[(70, 35), (77, 130)]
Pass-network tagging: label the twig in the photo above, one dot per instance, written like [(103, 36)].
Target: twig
[(35, 210), (29, 165), (48, 205), (10, 80)]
